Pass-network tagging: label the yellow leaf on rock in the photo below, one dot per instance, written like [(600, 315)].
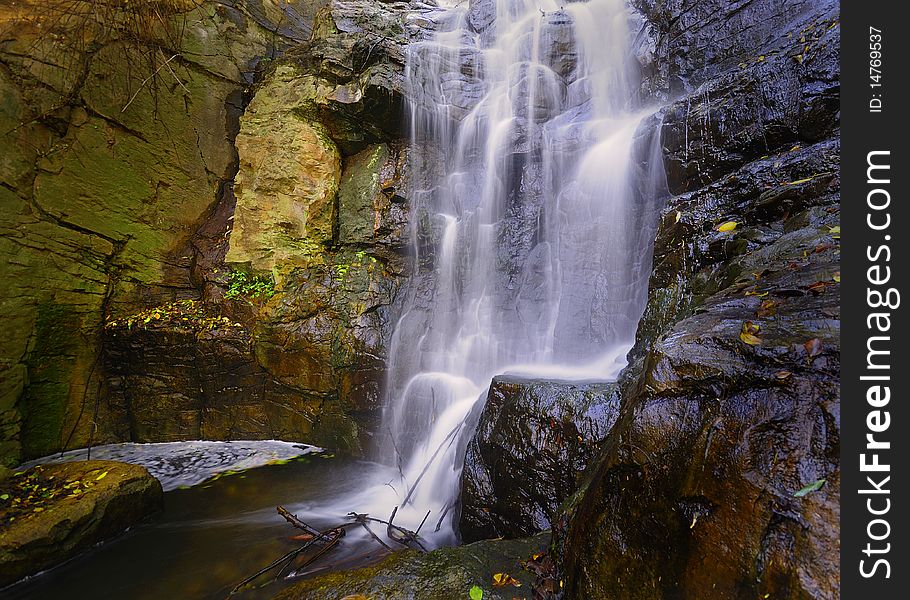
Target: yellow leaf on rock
[(504, 579), (748, 333), (750, 339), (727, 226), (102, 476)]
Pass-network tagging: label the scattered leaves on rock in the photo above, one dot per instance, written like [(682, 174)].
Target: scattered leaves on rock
[(185, 314), (30, 492)]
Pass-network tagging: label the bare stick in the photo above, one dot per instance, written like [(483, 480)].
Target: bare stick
[(429, 462), (442, 516), (374, 536), (417, 531), (316, 556), (294, 521)]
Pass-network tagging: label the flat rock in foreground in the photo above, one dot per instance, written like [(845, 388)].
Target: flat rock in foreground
[(50, 513), (442, 573)]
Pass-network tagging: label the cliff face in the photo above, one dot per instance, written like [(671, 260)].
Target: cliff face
[(123, 139), (730, 404)]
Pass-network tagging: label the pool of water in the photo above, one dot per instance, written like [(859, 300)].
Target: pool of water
[(212, 536)]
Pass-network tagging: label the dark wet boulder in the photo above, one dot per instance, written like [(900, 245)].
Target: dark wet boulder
[(50, 513), (443, 573), (533, 440)]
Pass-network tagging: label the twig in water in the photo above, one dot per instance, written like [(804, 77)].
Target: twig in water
[(295, 522), (429, 462), (417, 531), (362, 519), (442, 516)]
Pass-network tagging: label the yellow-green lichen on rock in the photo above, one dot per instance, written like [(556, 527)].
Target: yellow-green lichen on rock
[(288, 179), (115, 145)]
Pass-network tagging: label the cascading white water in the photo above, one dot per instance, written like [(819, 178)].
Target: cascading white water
[(532, 221)]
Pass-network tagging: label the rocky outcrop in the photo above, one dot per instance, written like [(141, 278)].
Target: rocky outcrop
[(442, 573), (533, 441), (53, 512), (117, 151), (720, 478), (118, 198)]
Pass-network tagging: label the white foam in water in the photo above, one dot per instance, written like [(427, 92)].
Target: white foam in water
[(541, 219), (181, 464)]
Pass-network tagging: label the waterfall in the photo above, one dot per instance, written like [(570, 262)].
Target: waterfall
[(532, 221)]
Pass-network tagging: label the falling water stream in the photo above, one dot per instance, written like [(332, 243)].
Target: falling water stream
[(532, 222)]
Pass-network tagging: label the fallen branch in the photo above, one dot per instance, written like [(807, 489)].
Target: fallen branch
[(362, 519), (295, 522), (330, 538), (442, 516), (426, 467)]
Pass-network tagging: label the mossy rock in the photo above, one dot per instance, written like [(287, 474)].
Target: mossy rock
[(53, 512), (442, 573)]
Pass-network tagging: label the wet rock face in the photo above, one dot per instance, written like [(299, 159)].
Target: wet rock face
[(321, 208), (113, 497), (113, 196), (174, 381), (116, 199), (533, 440), (731, 399)]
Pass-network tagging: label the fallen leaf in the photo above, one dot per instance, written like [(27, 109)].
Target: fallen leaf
[(783, 375), (812, 487), (767, 308), (102, 476), (834, 230), (747, 334), (678, 216), (750, 339), (476, 593), (837, 277), (4, 497), (813, 347), (303, 537), (819, 286), (727, 226), (504, 579)]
